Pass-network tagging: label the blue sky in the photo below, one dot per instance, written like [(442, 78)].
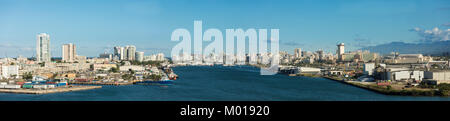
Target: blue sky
[(95, 26)]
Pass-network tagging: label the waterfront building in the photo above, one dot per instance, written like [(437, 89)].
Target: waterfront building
[(43, 48), (140, 56), (405, 75), (308, 70), (438, 77), (368, 68), (69, 52)]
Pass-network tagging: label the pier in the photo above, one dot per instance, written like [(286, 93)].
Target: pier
[(46, 91), (102, 83)]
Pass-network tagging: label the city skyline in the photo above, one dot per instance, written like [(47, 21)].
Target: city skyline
[(310, 25)]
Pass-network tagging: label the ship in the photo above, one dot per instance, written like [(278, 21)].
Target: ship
[(164, 81)]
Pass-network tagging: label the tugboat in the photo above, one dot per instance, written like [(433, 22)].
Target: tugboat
[(164, 81)]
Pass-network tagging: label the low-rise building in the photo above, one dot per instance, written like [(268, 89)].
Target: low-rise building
[(10, 71), (104, 67), (132, 67), (438, 76)]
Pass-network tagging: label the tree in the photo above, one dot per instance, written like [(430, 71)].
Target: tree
[(113, 69), (27, 76)]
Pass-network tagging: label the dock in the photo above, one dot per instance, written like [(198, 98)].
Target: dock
[(102, 83), (47, 91)]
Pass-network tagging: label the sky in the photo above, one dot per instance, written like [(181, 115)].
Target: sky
[(96, 26)]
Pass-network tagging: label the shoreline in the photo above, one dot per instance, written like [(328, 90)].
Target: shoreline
[(379, 89), (47, 91), (384, 90)]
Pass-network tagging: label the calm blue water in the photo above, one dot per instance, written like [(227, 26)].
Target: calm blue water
[(218, 83)]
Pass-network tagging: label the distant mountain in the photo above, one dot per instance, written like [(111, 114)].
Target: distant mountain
[(429, 48)]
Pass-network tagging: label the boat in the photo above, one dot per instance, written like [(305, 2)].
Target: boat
[(164, 81)]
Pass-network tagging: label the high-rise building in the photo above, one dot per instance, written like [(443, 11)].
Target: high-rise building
[(298, 52), (131, 52), (320, 54), (69, 52), (340, 51), (106, 55), (43, 48), (140, 56), (119, 52)]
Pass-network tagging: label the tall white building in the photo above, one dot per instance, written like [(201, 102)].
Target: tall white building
[(119, 52), (340, 51), (43, 48), (69, 52), (140, 56), (131, 52)]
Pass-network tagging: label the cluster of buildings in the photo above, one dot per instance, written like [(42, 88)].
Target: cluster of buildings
[(367, 66), (72, 65)]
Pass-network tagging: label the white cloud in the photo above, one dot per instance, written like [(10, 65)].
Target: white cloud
[(435, 34)]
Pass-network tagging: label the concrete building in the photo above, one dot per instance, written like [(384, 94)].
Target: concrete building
[(104, 67), (308, 70), (368, 68), (119, 52), (131, 52), (340, 51), (106, 55), (69, 52), (132, 67), (409, 58), (438, 76), (43, 48), (405, 75), (10, 71), (140, 56), (298, 52)]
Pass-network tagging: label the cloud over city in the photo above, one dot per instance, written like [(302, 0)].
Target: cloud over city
[(435, 34)]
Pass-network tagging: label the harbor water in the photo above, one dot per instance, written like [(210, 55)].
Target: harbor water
[(224, 83)]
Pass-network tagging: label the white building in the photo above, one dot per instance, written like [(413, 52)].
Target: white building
[(310, 70), (340, 51), (43, 48), (406, 75), (140, 56), (69, 52), (131, 52), (132, 67), (368, 68), (10, 71), (438, 76), (119, 52)]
